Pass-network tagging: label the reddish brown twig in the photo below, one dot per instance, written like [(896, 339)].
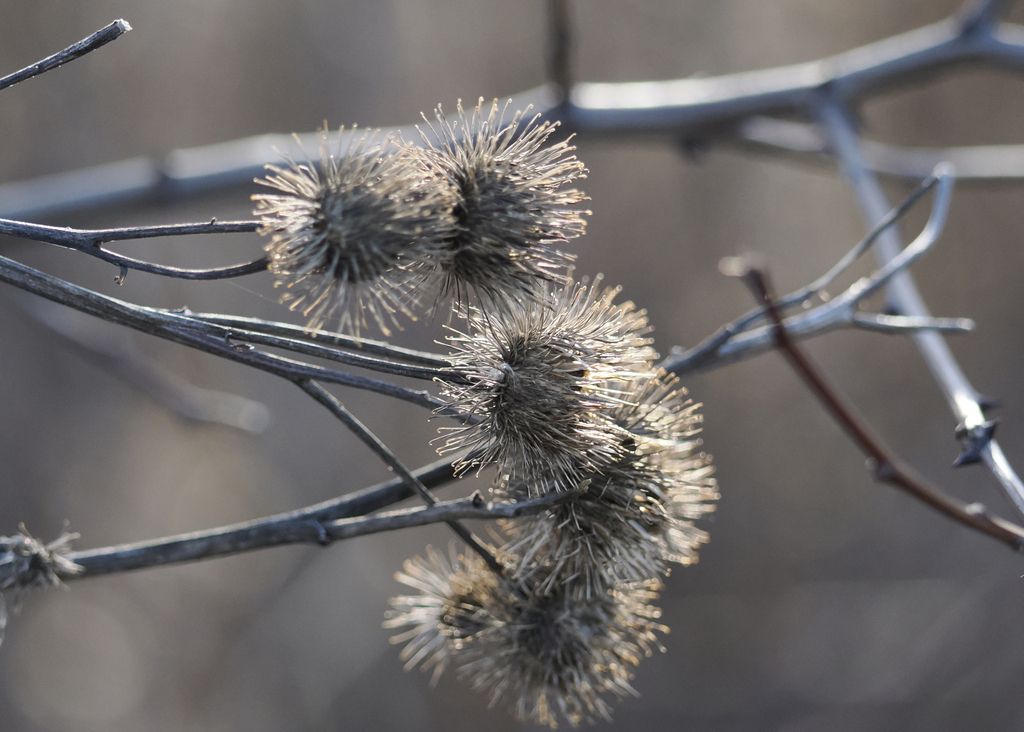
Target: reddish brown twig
[(886, 466)]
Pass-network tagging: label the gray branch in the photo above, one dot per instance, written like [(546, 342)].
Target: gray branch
[(713, 108), (261, 534), (178, 327), (805, 142), (90, 241), (76, 50), (739, 340)]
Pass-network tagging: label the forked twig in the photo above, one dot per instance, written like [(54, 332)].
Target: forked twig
[(963, 398), (90, 241), (739, 339), (385, 453)]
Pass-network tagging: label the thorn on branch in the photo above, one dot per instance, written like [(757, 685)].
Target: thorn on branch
[(973, 441), (988, 403)]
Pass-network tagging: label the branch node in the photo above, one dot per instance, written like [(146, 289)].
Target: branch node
[(322, 537), (120, 276), (235, 345), (977, 509), (883, 471)]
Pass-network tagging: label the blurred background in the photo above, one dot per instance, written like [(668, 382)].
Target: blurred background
[(823, 601)]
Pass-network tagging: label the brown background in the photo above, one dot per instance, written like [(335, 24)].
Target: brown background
[(822, 602)]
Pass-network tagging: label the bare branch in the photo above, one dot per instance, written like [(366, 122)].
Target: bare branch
[(178, 327), (709, 106), (100, 38), (90, 241), (980, 14), (323, 337), (559, 48), (806, 143), (963, 399), (261, 534), (905, 324), (391, 460), (368, 362), (712, 107), (886, 466), (738, 340)]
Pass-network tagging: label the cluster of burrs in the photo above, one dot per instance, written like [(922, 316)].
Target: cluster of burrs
[(561, 392), (476, 211)]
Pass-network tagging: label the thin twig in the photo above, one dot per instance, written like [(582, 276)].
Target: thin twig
[(100, 38), (307, 348), (559, 47), (804, 142), (382, 451), (90, 241), (887, 467), (738, 340), (328, 338)]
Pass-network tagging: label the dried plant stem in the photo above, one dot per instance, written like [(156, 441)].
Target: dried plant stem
[(738, 339), (90, 241), (298, 529), (559, 60), (210, 338), (100, 38), (887, 467), (326, 338), (339, 410)]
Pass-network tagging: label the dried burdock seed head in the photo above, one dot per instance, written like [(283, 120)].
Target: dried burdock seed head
[(551, 657), (455, 593), (547, 657), (512, 208), (545, 378), (355, 237), (27, 563), (636, 514)]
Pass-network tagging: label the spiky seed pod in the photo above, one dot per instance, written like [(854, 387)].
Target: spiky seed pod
[(545, 378), (512, 208), (554, 656), (452, 605), (636, 514), (355, 237), (546, 657)]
